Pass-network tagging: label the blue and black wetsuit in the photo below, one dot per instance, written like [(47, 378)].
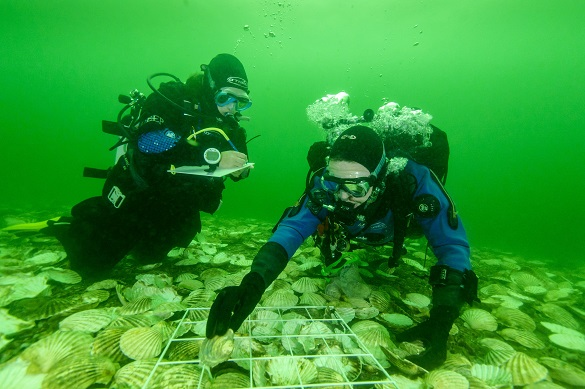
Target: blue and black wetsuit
[(429, 204), (143, 208)]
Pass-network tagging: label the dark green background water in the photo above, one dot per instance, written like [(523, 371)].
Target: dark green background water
[(504, 78)]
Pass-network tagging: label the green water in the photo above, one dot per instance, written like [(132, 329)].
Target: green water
[(503, 78)]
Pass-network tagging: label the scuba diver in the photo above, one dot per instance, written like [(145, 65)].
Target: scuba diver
[(145, 210), (363, 195)]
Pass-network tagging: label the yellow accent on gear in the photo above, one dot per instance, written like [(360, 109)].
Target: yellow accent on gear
[(29, 226)]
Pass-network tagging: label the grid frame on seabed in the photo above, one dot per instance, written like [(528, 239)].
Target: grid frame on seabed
[(324, 314)]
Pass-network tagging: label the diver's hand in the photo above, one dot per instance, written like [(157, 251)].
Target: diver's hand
[(233, 304), (434, 334), (232, 159)]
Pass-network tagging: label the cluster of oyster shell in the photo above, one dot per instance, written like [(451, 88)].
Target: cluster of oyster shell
[(145, 327)]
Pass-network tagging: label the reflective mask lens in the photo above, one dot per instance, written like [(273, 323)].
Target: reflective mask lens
[(355, 187), (223, 98)]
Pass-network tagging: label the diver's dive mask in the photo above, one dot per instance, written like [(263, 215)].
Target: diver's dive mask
[(227, 96), (355, 187)]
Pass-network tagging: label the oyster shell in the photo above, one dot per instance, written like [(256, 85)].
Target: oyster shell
[(213, 272), (43, 307), (185, 276), (514, 318), (524, 279), (559, 329), (559, 315), (499, 351), (366, 313), (372, 333), (374, 336), (166, 329), (49, 351), (380, 300), (413, 263), (332, 357), (179, 377), (494, 376), (103, 284), (358, 302), (64, 276), (457, 363), (84, 372), (215, 283), (281, 298), (17, 288), (306, 284), (505, 301), (91, 320), (220, 258), (479, 319), (12, 325), (95, 296), (242, 262), (309, 264), (558, 294), (404, 365), (396, 320), (199, 298), (185, 350), (493, 289), (535, 290), (330, 376), (563, 371), (318, 330), (141, 343), (107, 343), (190, 284), (132, 321), (14, 375), (285, 371), (217, 350), (230, 380), (417, 300), (568, 341), (344, 310), (521, 297), (525, 370), (312, 299), (135, 374), (446, 379), (48, 258), (333, 291), (190, 261), (525, 338), (140, 305)]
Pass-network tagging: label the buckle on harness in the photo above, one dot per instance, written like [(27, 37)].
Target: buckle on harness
[(116, 197)]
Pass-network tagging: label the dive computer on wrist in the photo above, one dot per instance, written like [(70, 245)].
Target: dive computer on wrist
[(212, 156)]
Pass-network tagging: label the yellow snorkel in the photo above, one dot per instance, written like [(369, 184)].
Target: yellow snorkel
[(192, 139)]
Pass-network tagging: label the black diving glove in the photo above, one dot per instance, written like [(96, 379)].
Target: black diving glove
[(234, 304)]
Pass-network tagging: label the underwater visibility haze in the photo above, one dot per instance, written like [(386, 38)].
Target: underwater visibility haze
[(504, 79)]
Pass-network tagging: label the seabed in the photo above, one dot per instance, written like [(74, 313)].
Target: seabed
[(143, 326)]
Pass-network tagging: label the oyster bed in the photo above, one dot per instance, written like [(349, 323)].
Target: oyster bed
[(144, 326)]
